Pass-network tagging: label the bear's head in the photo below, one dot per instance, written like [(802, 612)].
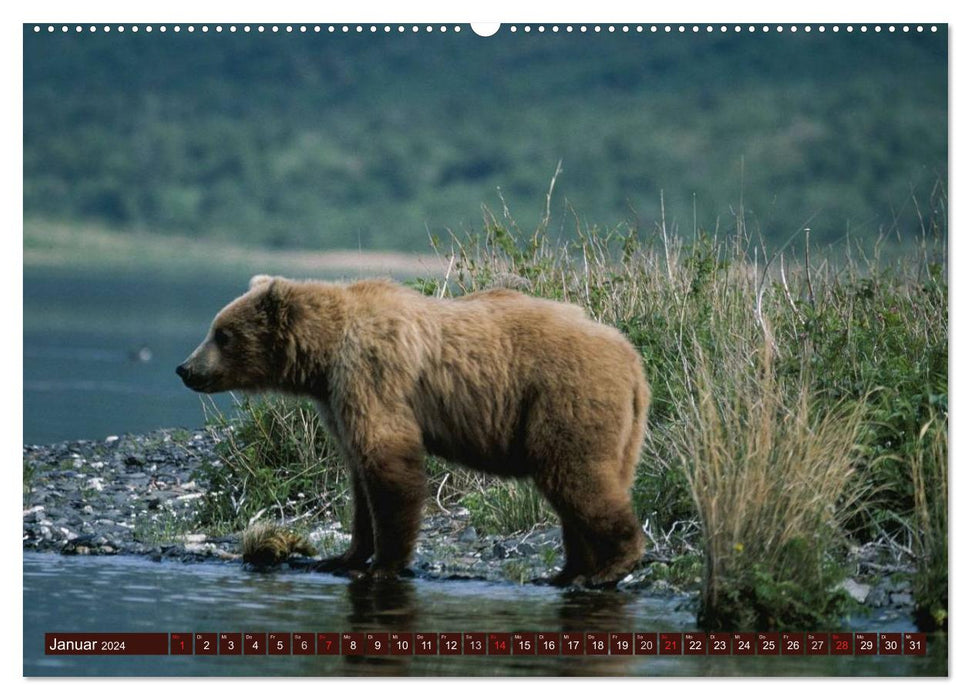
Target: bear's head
[(246, 346)]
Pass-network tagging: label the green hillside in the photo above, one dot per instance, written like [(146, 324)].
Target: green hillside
[(375, 141)]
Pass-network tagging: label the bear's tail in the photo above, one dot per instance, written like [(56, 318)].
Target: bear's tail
[(635, 440)]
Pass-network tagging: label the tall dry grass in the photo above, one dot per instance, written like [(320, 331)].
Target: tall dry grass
[(929, 472), (774, 479)]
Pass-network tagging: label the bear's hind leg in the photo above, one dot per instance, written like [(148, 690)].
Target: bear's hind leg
[(578, 557), (597, 510)]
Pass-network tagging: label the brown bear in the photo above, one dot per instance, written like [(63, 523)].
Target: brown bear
[(497, 381)]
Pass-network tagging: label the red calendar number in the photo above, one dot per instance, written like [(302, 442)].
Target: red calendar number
[(303, 643), (181, 643), (352, 644), (693, 643), (719, 644), (548, 643), (450, 644), (572, 644), (377, 643), (254, 643), (524, 643), (426, 643), (402, 643), (841, 644), (865, 643), (891, 643), (915, 644), (743, 644), (670, 644), (475, 643), (817, 644), (230, 644), (645, 643), (206, 643), (328, 644), (621, 643), (792, 644), (500, 643)]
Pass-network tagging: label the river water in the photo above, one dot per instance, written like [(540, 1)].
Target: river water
[(129, 594)]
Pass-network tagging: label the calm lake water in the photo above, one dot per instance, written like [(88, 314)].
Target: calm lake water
[(83, 331), (126, 594)]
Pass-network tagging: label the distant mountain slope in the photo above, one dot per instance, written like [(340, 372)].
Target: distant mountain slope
[(373, 141)]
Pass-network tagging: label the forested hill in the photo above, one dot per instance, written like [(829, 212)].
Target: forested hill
[(375, 140)]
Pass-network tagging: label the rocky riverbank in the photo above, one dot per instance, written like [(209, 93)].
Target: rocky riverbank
[(139, 494)]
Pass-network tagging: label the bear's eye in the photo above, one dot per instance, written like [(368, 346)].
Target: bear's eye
[(221, 336)]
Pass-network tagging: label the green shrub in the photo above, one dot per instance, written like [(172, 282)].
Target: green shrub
[(507, 506), (274, 457)]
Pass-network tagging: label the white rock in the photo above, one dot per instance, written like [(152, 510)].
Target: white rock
[(858, 591)]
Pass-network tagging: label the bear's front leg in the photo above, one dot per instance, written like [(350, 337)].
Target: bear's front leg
[(362, 534), (394, 477)]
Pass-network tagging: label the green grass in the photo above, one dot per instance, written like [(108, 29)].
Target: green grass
[(164, 527), (277, 461), (929, 524), (30, 477), (507, 506), (800, 405)]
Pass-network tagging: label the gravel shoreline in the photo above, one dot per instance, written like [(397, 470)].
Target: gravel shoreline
[(138, 495)]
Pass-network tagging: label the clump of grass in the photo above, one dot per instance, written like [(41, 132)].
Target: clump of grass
[(30, 475), (773, 476), (266, 543), (163, 527), (507, 506), (274, 457), (929, 470), (517, 571)]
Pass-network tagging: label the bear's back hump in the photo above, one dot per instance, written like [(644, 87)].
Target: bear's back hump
[(529, 328)]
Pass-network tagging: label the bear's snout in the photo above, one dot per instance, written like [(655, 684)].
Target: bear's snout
[(189, 378), (185, 374)]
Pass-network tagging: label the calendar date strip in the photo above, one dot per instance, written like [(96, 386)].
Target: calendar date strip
[(486, 643)]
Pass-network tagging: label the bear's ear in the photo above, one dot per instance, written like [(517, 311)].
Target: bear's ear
[(259, 281), (274, 300)]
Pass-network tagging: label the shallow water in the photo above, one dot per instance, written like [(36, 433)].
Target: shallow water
[(128, 594)]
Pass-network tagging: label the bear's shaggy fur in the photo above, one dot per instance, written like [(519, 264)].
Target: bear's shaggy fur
[(497, 381)]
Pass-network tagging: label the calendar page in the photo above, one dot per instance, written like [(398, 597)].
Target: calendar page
[(518, 349)]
